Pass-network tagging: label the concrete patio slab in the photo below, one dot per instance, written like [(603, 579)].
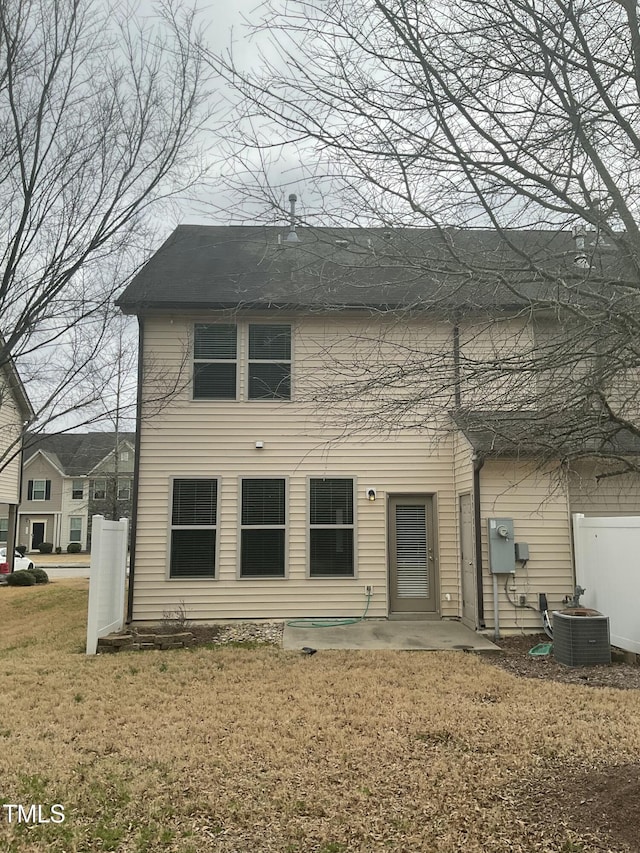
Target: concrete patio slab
[(384, 634)]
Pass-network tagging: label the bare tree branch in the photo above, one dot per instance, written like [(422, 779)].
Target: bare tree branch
[(516, 116), (101, 115)]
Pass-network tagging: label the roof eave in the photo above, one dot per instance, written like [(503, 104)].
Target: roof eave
[(19, 392), (147, 307)]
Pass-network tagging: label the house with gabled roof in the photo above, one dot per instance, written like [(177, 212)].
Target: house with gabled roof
[(69, 477), (269, 487), (15, 415)]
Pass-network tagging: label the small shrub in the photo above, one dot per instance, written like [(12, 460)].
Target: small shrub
[(21, 549), (40, 575), (21, 578), (176, 621), (58, 549), (45, 547), (73, 548)]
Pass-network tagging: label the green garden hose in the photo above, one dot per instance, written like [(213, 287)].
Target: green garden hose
[(312, 622)]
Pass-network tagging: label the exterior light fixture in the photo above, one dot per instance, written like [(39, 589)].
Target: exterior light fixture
[(371, 495)]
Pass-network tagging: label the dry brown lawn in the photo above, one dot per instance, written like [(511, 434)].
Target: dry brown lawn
[(264, 750)]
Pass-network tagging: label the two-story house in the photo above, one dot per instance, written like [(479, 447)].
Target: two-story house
[(15, 414), (67, 478), (268, 486)]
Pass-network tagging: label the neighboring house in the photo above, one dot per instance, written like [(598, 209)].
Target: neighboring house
[(255, 500), (15, 414), (67, 479)]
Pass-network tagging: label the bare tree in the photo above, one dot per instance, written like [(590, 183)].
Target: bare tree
[(516, 116), (100, 121)]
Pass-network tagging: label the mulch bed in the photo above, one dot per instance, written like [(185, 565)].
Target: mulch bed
[(514, 658)]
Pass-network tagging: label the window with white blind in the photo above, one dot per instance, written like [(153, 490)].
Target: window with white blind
[(215, 366), (75, 529), (194, 524), (331, 528), (262, 534), (269, 362), (39, 490)]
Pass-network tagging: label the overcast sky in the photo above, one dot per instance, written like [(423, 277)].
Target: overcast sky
[(227, 26)]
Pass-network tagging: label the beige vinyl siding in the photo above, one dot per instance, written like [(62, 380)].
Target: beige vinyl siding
[(301, 439), (10, 429), (409, 466), (463, 484), (537, 501), (495, 342), (609, 496), (71, 508), (565, 361), (39, 468), (113, 462)]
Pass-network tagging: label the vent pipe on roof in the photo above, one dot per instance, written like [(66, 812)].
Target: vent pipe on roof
[(579, 235), (292, 237)]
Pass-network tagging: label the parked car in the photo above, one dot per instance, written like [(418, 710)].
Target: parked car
[(19, 562)]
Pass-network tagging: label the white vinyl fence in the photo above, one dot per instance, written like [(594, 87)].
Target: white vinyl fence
[(107, 579), (607, 555)]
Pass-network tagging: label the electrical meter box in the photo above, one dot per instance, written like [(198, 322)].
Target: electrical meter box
[(502, 546)]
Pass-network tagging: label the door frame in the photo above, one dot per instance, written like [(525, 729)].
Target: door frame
[(432, 530), (32, 521), (471, 623)]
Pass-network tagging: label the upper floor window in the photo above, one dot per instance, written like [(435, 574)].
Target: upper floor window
[(39, 490), (269, 362), (98, 490), (77, 490), (215, 353), (267, 357), (124, 455), (124, 488)]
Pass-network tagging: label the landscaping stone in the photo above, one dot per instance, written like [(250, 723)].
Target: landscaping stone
[(118, 640), (166, 639)]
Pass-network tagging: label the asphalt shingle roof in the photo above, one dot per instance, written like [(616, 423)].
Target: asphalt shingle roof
[(558, 435), (76, 453), (255, 266)]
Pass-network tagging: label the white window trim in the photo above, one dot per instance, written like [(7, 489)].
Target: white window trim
[(240, 527), (44, 490), (309, 527), (77, 529), (126, 480), (170, 527), (93, 489)]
